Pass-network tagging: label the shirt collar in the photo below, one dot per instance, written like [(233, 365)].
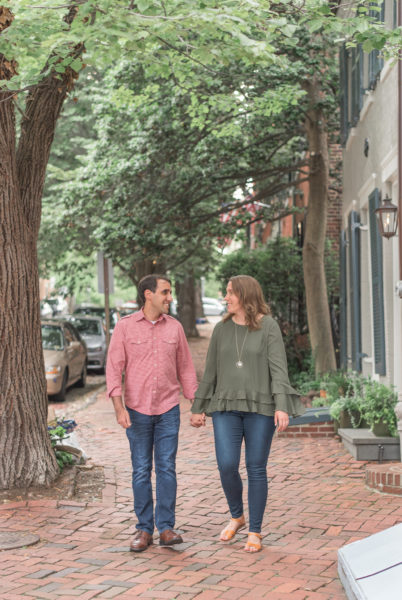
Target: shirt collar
[(138, 316)]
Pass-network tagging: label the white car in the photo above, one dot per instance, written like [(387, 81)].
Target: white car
[(213, 306)]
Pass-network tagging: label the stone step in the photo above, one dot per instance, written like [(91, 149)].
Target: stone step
[(364, 445)]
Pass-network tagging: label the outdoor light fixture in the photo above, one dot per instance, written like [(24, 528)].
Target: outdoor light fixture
[(387, 215)]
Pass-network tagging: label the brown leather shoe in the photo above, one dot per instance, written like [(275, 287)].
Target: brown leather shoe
[(141, 541), (169, 537)]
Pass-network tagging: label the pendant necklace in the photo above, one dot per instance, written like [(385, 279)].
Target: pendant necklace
[(239, 362)]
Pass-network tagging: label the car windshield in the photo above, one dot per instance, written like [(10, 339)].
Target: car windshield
[(88, 326), (52, 338), (98, 311)]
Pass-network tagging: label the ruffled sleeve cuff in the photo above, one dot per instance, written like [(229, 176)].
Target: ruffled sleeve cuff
[(199, 406), (203, 396), (287, 399)]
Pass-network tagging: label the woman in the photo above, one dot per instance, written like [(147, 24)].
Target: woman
[(246, 390)]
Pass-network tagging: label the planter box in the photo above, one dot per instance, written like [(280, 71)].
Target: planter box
[(364, 445)]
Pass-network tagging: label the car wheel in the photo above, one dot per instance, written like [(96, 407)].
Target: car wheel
[(61, 396), (83, 379)]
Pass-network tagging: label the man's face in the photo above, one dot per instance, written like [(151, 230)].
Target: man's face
[(161, 298)]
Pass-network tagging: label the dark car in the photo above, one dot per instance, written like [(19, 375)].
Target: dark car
[(65, 355), (93, 331)]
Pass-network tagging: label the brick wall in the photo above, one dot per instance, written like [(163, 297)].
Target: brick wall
[(334, 222), (309, 430), (386, 478)]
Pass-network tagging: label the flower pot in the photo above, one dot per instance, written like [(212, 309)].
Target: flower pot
[(381, 429), (345, 420)]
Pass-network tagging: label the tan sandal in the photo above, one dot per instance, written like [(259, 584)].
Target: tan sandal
[(232, 528), (252, 546)]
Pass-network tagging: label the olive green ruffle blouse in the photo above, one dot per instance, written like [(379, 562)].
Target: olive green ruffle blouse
[(261, 385)]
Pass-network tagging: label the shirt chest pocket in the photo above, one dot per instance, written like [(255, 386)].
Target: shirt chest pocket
[(138, 346), (169, 346)]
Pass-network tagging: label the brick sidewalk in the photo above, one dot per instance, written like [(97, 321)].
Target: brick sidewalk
[(317, 502)]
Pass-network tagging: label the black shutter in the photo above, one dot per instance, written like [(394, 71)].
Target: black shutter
[(377, 285), (354, 287), (343, 303), (375, 62), (357, 84), (344, 93)]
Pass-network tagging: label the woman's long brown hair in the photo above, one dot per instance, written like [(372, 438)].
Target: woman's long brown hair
[(251, 298)]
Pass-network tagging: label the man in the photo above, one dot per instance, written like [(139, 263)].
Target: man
[(151, 349)]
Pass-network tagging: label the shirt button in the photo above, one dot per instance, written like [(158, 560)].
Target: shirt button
[(154, 391), (154, 350)]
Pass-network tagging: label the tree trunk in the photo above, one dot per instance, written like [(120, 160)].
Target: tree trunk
[(199, 309), (318, 314), (186, 310), (141, 268), (26, 454)]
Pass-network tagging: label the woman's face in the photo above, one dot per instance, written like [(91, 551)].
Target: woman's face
[(232, 300)]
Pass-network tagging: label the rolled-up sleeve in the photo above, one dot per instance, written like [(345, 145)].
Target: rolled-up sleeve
[(286, 398), (116, 360), (185, 367)]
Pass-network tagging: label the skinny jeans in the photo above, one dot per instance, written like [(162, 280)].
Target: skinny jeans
[(230, 428)]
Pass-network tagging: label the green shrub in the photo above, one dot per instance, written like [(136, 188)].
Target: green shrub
[(57, 434)]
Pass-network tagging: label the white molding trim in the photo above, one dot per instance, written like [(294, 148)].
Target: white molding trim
[(389, 166), (368, 101), (366, 190), (387, 69), (351, 136)]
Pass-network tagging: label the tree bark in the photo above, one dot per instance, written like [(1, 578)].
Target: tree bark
[(318, 314), (199, 309), (26, 455), (186, 306)]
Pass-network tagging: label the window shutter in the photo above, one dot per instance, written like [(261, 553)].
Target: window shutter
[(377, 285), (343, 303), (357, 89), (375, 63), (354, 287), (344, 95)]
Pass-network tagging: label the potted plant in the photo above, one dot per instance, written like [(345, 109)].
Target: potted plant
[(344, 398), (378, 408)]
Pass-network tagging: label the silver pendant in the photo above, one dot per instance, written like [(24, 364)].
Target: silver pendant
[(239, 364)]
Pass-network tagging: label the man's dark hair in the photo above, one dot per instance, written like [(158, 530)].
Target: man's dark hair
[(149, 282)]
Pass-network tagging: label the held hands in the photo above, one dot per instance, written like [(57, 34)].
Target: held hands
[(197, 420), (281, 420)]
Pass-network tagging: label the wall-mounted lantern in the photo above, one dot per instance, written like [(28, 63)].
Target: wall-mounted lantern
[(387, 216)]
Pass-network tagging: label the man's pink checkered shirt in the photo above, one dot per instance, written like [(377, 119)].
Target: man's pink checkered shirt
[(155, 359)]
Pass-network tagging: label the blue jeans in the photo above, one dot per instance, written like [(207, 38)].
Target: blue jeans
[(230, 428), (156, 435)]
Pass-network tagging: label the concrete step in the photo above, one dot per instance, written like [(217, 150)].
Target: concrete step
[(371, 569), (364, 445)]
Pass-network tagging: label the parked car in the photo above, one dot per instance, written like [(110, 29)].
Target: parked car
[(212, 307), (65, 355), (93, 331), (128, 308), (98, 311)]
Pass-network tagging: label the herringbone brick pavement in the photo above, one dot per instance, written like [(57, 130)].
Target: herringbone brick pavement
[(317, 502)]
